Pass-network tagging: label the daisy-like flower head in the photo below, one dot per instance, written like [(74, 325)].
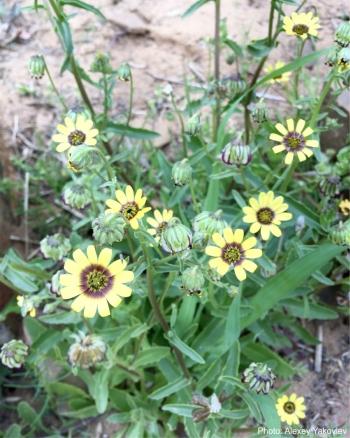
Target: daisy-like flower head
[(291, 409), (233, 252), (94, 281), (159, 222), (302, 25), (279, 79), (130, 205), (75, 133), (293, 140), (265, 214)]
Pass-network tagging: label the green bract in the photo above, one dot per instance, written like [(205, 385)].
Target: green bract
[(176, 237), (109, 228), (13, 354), (55, 247)]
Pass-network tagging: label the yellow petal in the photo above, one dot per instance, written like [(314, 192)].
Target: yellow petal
[(72, 267), (275, 230), (222, 268), (134, 224), (113, 299), (249, 218), (91, 254), (301, 156), (80, 123), (80, 258), (218, 240), (167, 215), (79, 303), (228, 235), (284, 216), (290, 125), (122, 290), (69, 280), (60, 138), (63, 129), (69, 292), (308, 131), (238, 235), (254, 253), (214, 263), (255, 227), (103, 308), (69, 123), (114, 205), (213, 251), (312, 143), (279, 148), (152, 222), (300, 126), (91, 307), (280, 128), (289, 158), (138, 196), (249, 243), (63, 147), (124, 277), (90, 141), (240, 273), (265, 232), (308, 152), (121, 197), (254, 203), (276, 137), (105, 257), (116, 267), (249, 266), (129, 192), (158, 216)]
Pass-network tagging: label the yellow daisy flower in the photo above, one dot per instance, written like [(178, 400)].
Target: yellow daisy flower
[(95, 281), (75, 133), (159, 222), (129, 204), (279, 79), (344, 207), (291, 409), (232, 251), (293, 140), (301, 25), (265, 214)]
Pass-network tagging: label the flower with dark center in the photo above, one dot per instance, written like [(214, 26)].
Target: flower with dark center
[(301, 25), (75, 132), (233, 252), (266, 213), (293, 140), (94, 281), (130, 205), (159, 223), (284, 77), (291, 409)]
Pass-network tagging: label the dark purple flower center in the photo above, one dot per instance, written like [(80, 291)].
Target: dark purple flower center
[(96, 281), (232, 253), (129, 210), (300, 29), (289, 407), (265, 215), (76, 138), (294, 141)]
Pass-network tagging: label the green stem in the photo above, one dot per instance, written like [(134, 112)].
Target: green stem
[(60, 98), (182, 126), (289, 176), (158, 313), (217, 108), (80, 85), (105, 99), (325, 90), (196, 205), (297, 73), (131, 101), (108, 167)]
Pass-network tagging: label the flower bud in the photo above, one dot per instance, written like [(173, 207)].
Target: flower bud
[(182, 172), (230, 59), (87, 351), (26, 305), (259, 377), (237, 154), (76, 195), (193, 280), (199, 240), (344, 56), (193, 124), (55, 282), (343, 159), (259, 112), (344, 207), (76, 111), (124, 72), (108, 228), (236, 87), (209, 223), (176, 237), (37, 66), (330, 185), (83, 157), (101, 64), (332, 58), (342, 35), (55, 247), (13, 353), (340, 234)]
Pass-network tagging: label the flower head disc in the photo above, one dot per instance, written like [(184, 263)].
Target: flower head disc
[(159, 222), (265, 213), (278, 79), (95, 281), (130, 205), (233, 252), (75, 133), (293, 140), (301, 25), (291, 409)]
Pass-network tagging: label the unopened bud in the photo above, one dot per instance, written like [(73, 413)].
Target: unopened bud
[(259, 377), (101, 64), (182, 172), (37, 66), (13, 354), (87, 351), (342, 35), (55, 247), (176, 237), (236, 154), (124, 72), (109, 228), (193, 124), (193, 280)]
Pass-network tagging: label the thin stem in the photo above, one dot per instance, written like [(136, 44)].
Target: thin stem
[(105, 99), (131, 101), (60, 98), (158, 313), (297, 73), (80, 85), (323, 95), (108, 167), (217, 109), (272, 11), (196, 205), (182, 126)]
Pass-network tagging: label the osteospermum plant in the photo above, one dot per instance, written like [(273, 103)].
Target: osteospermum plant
[(165, 285)]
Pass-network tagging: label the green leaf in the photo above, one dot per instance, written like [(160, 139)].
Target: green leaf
[(26, 412), (232, 327), (185, 315), (128, 131), (294, 275), (120, 417), (182, 409), (253, 406), (267, 407), (233, 46), (234, 381), (151, 356), (99, 390), (87, 412), (61, 318), (210, 375), (313, 311), (196, 5), (238, 414), (169, 389), (67, 390), (65, 33), (184, 348), (14, 431), (46, 341), (259, 48), (82, 5), (311, 218)]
